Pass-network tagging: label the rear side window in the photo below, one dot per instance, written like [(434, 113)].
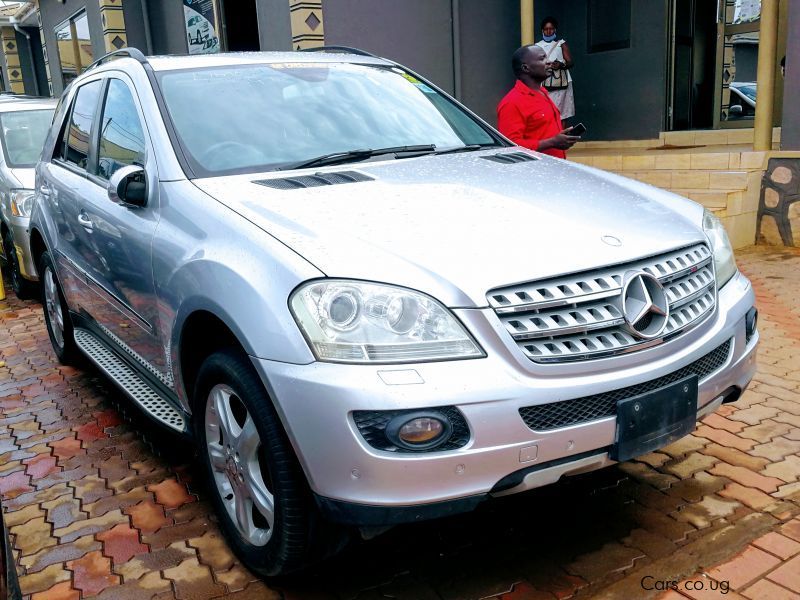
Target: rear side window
[(121, 134), (74, 148)]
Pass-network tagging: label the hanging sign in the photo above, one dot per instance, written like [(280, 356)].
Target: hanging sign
[(201, 26)]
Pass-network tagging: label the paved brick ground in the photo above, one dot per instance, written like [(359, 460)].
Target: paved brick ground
[(95, 510)]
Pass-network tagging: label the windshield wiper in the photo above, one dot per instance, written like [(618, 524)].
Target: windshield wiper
[(353, 155), (467, 148)]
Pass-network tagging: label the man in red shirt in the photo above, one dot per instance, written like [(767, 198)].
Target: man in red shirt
[(527, 115)]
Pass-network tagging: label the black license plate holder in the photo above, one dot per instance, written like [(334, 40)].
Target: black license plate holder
[(655, 419)]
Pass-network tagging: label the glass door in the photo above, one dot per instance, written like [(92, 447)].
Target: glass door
[(738, 25)]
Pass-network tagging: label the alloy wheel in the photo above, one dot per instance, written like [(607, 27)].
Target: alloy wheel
[(238, 465), (53, 307)]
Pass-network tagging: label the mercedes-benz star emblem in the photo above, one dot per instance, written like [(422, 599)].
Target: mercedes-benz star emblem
[(644, 305), (611, 240)]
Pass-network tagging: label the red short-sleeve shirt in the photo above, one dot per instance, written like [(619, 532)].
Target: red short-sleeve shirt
[(527, 117)]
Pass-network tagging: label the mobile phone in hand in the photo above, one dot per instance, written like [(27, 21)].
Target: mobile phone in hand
[(578, 129)]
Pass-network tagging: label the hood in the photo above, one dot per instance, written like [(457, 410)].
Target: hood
[(455, 226), (25, 177)]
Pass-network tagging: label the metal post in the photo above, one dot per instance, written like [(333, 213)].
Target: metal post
[(765, 78), (457, 79), (526, 22)]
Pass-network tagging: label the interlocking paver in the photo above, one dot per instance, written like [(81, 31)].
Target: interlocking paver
[(777, 544), (748, 496), (746, 567), (747, 478), (94, 509), (766, 590), (788, 574), (121, 543), (92, 573)]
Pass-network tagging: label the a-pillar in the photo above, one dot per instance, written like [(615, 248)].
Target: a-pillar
[(767, 51), (11, 53), (790, 123)]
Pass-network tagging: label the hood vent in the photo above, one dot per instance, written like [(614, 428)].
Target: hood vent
[(315, 180), (508, 158)]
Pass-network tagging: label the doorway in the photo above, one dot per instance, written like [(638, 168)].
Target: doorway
[(693, 44), (240, 24), (737, 63)]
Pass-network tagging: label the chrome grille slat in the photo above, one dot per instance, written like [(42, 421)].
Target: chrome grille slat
[(565, 321), (578, 317), (692, 297), (692, 269)]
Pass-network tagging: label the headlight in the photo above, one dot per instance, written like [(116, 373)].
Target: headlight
[(21, 203), (724, 264), (355, 322)]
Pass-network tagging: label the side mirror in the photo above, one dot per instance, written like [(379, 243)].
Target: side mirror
[(128, 185), (735, 111)]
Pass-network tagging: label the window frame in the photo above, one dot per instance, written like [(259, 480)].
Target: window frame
[(93, 174), (61, 141)]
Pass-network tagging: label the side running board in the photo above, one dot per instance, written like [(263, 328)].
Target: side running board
[(129, 381)]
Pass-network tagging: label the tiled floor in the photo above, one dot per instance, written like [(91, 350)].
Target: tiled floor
[(100, 506)]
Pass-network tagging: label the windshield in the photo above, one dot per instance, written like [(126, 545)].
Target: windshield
[(23, 134), (253, 118), (748, 90)]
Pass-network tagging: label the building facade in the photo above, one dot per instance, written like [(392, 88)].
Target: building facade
[(641, 66)]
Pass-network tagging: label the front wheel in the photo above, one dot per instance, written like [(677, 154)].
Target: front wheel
[(56, 314), (257, 485), (23, 288)]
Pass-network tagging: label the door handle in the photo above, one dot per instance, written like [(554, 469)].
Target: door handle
[(85, 222)]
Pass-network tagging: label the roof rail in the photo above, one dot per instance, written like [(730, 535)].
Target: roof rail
[(342, 49), (133, 53)]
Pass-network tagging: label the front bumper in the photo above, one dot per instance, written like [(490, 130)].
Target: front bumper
[(358, 484)]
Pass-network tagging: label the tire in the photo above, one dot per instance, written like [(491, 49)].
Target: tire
[(23, 288), (296, 537), (55, 309)]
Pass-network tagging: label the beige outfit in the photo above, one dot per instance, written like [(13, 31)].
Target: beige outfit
[(564, 99)]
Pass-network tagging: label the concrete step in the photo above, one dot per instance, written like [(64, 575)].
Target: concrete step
[(715, 140), (619, 144), (715, 181), (671, 161), (713, 136), (714, 200)]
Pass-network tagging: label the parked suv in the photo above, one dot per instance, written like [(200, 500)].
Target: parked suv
[(364, 304), (24, 123)]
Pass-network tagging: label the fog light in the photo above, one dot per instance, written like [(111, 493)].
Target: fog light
[(419, 431), (750, 324)]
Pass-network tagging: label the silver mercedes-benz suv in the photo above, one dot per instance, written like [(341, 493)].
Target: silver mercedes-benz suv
[(365, 305)]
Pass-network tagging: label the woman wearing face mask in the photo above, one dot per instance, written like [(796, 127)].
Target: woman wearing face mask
[(559, 84)]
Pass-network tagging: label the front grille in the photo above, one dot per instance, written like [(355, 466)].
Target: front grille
[(579, 317), (372, 426), (599, 406)]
